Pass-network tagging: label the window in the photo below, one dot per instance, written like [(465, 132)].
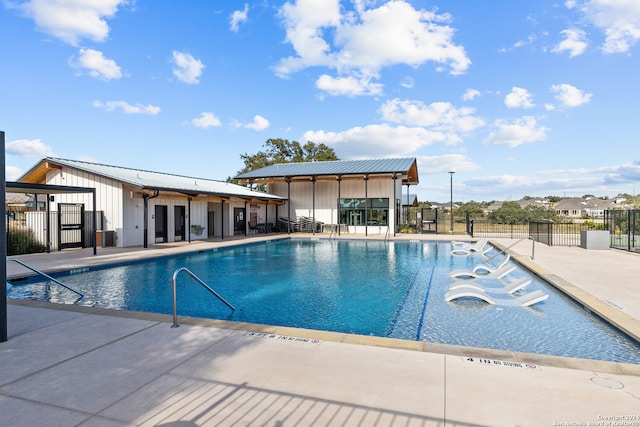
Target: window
[(357, 211)]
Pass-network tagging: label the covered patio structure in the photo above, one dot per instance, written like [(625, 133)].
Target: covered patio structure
[(353, 195)]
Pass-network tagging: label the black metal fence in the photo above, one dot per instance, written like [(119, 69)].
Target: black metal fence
[(34, 231), (550, 233), (624, 229)]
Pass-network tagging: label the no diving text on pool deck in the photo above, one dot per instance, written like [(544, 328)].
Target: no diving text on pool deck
[(500, 363), (605, 421), (281, 337)]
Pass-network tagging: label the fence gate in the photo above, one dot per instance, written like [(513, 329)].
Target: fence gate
[(70, 225)]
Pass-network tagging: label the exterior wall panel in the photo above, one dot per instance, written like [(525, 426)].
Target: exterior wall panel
[(109, 197), (326, 199)]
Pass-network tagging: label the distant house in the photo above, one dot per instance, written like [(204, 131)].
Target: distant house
[(535, 202), (360, 196), (443, 205), (142, 207), (578, 207)]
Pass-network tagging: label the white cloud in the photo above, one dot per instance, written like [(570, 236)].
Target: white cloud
[(520, 43), (570, 96), (517, 132), (187, 68), (407, 82), (127, 108), (238, 17), (518, 98), (206, 120), (349, 86), (440, 116), (259, 123), (470, 94), (574, 42), (432, 165), (72, 21), (628, 172), (358, 44), (618, 19), (97, 65), (12, 173), (29, 148), (375, 141)]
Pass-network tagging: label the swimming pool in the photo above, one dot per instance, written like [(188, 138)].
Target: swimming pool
[(387, 289)]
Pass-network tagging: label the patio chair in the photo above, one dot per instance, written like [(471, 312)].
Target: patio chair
[(466, 248), (497, 274), (488, 268), (525, 300), (509, 288)]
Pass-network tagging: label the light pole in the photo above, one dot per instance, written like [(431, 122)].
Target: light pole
[(451, 201)]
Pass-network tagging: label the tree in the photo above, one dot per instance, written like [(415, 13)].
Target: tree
[(534, 213), (473, 209), (508, 213), (284, 151), (513, 213)]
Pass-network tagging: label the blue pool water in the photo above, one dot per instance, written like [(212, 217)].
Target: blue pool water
[(387, 289)]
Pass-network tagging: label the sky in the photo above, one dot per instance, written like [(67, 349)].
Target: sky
[(518, 98)]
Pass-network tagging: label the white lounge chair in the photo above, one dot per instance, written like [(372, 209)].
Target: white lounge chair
[(525, 300), (467, 248), (509, 288), (487, 268), (470, 274)]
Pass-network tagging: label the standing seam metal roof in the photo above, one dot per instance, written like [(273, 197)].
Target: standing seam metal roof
[(338, 168), (160, 181)]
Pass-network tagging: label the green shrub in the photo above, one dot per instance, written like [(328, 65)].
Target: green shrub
[(23, 241)]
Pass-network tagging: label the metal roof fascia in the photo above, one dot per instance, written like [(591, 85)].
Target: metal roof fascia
[(24, 187)]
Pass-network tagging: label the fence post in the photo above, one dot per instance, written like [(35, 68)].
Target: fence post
[(629, 230)]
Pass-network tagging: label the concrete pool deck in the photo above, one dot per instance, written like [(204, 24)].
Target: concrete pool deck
[(73, 365)]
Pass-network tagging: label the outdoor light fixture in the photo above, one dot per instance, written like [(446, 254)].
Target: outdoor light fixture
[(451, 201)]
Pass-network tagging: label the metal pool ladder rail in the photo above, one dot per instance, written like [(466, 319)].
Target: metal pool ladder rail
[(175, 277), (35, 270)]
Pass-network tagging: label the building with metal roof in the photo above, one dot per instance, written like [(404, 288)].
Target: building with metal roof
[(142, 207), (358, 196)]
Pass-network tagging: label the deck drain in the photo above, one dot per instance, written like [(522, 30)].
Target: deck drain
[(607, 382)]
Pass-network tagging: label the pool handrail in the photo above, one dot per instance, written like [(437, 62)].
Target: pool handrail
[(533, 248), (35, 270), (175, 299)]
